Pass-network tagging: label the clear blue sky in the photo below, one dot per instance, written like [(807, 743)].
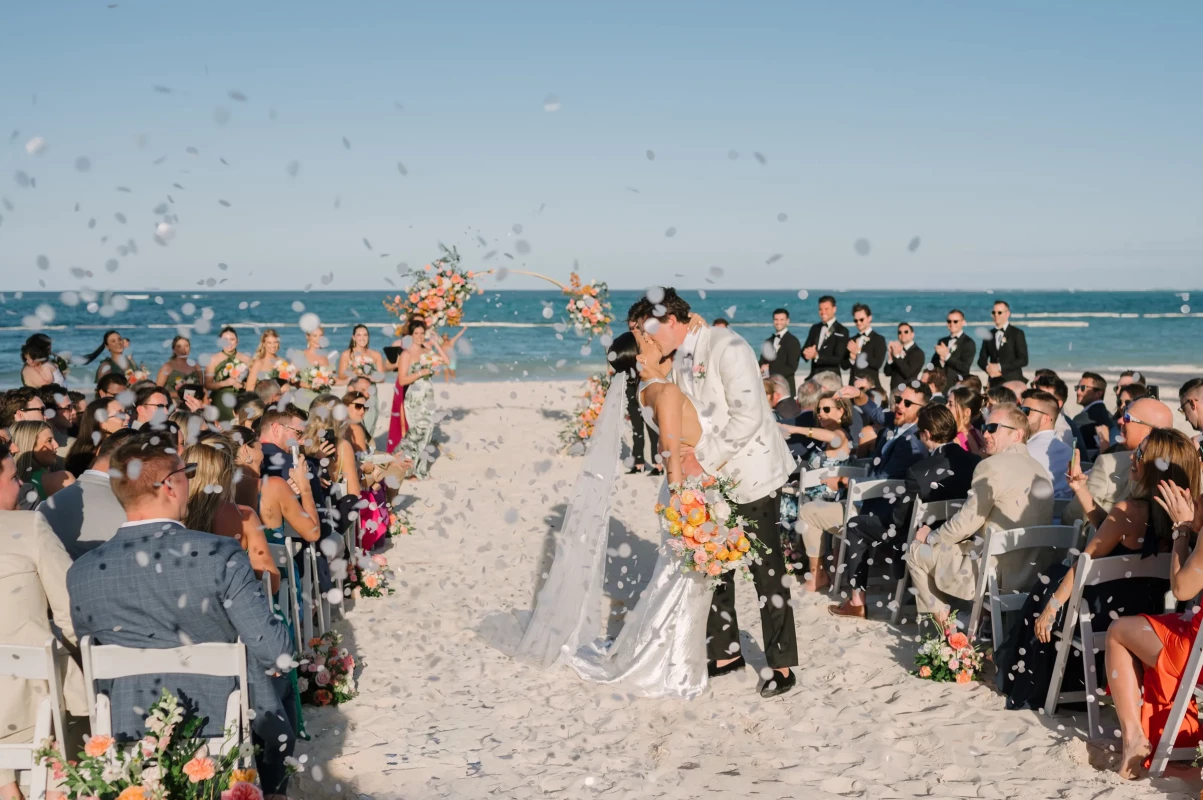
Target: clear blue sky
[(1043, 145)]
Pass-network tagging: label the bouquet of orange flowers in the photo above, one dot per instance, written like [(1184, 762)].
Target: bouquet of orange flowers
[(285, 370), (368, 576), (949, 655), (439, 292), (317, 378), (705, 533), (137, 373), (579, 428), (589, 306)]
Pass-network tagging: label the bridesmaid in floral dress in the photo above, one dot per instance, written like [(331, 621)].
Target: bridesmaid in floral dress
[(417, 366)]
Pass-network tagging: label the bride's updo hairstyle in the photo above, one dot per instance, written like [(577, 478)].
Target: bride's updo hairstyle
[(622, 353)]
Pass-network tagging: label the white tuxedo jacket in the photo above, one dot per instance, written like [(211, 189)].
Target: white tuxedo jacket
[(740, 437)]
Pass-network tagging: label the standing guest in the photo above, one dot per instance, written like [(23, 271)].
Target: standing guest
[(41, 368), (367, 388), (165, 609), (827, 343), (60, 413), (263, 363), (152, 406), (414, 372), (954, 352), (1190, 403), (224, 376), (877, 534), (112, 384), (966, 406), (38, 464), (866, 350), (782, 351), (1043, 444), (85, 514), (33, 573), (359, 359), (1005, 352), (721, 322), (180, 368), (448, 345), (102, 417), (935, 380), (905, 360), (315, 340), (116, 361), (1010, 490), (1091, 390), (20, 405), (641, 432)]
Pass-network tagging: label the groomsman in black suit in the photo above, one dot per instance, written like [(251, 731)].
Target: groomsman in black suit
[(867, 349), (827, 343), (906, 360), (955, 352), (782, 351), (1005, 353)]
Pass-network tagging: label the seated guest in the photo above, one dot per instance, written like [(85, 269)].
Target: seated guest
[(1067, 431), (834, 416), (111, 384), (86, 514), (935, 380), (1128, 394), (213, 597), (269, 391), (39, 467), (1135, 526), (188, 426), (999, 396), (877, 535), (191, 397), (866, 350), (973, 382), (1190, 403), (19, 405), (79, 402), (248, 408), (1017, 387), (151, 408), (893, 457), (1107, 482), (905, 359), (33, 579), (101, 418), (60, 413), (1043, 445), (366, 387), (966, 406), (1010, 490), (1130, 377), (1091, 389), (721, 322), (785, 408), (955, 352)]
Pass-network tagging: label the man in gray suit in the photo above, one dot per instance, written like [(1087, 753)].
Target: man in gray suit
[(158, 584), (86, 514)]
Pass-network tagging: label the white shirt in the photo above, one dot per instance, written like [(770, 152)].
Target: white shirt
[(1054, 455), (1000, 333), (863, 336), (1065, 431), (163, 522), (777, 337), (952, 342), (824, 332)]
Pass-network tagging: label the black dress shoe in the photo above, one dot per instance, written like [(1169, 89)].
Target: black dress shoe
[(715, 671), (778, 685)]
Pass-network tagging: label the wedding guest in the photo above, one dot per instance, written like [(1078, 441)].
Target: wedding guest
[(966, 407), (371, 415), (973, 382), (249, 409), (1108, 482), (877, 535), (41, 367), (60, 413), (866, 350), (1000, 396), (263, 362), (1043, 444), (1128, 394), (1004, 353), (180, 368), (414, 372), (1091, 389), (1136, 526), (188, 428), (954, 352), (314, 356), (721, 322), (190, 397), (116, 361), (834, 416), (905, 360), (101, 418), (1190, 403), (86, 514), (781, 352), (164, 610), (935, 380), (279, 499), (1010, 490), (359, 359), (151, 408), (1017, 388), (79, 401), (280, 430), (33, 579), (827, 343), (1067, 431), (1127, 378), (785, 408), (268, 390), (112, 384), (224, 374), (39, 467), (20, 405), (448, 345)]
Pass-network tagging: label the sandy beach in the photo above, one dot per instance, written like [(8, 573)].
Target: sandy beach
[(441, 714)]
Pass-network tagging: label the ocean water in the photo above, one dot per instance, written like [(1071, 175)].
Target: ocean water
[(510, 336)]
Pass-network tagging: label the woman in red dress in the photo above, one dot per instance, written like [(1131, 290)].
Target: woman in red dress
[(1150, 652)]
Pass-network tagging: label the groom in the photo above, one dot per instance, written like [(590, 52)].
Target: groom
[(717, 370)]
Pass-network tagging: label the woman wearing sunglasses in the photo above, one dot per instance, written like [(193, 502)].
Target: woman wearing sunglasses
[(101, 418)]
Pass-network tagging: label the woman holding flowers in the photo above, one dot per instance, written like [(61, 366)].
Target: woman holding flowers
[(263, 363), (359, 359), (313, 355), (180, 368), (226, 374), (417, 365)]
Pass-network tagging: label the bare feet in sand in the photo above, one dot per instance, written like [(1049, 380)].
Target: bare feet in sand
[(816, 581), (1135, 752)]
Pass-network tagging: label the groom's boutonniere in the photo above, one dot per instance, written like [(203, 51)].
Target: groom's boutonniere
[(699, 372)]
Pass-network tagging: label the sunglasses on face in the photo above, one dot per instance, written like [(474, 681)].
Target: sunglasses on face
[(997, 313), (1082, 387), (902, 401), (156, 405), (860, 319), (359, 406), (826, 409), (1028, 411), (31, 409), (953, 321), (992, 427), (1128, 419), (189, 471)]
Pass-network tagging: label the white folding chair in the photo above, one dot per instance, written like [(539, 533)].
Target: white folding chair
[(218, 659), (1188, 689), (1092, 572), (932, 515), (860, 490), (36, 663), (284, 557)]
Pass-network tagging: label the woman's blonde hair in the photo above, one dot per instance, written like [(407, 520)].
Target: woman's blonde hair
[(842, 402), (261, 351), (213, 485), (326, 413), (1166, 455), (25, 438)]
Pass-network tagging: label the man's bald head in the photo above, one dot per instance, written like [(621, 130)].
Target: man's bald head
[(1144, 415)]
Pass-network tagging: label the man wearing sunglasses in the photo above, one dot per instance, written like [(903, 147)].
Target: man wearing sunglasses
[(866, 350), (906, 359), (1090, 391), (955, 352), (151, 407), (1043, 443), (1190, 403), (1010, 490), (1004, 352)]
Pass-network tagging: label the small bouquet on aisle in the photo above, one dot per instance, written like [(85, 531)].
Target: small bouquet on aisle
[(285, 370), (438, 293), (317, 378), (588, 306), (400, 523), (232, 369), (170, 762), (368, 576), (579, 428), (705, 534), (948, 655), (326, 675)]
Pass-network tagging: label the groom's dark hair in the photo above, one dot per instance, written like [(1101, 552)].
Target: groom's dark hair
[(673, 305)]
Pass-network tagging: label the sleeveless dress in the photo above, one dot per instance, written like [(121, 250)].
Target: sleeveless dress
[(419, 414), (224, 406), (661, 650), (174, 378), (109, 364)]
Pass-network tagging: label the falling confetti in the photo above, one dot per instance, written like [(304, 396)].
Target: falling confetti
[(550, 103), (35, 146), (914, 245), (862, 247)]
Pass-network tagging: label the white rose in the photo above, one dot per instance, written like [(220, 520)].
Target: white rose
[(722, 510)]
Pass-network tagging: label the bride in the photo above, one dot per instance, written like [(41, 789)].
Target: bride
[(661, 650)]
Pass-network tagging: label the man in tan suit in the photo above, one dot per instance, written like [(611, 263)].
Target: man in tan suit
[(1108, 479), (1010, 490)]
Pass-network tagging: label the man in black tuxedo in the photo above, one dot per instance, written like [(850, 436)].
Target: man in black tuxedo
[(1091, 390), (827, 343), (867, 349), (954, 353), (906, 360), (1005, 352), (876, 536), (781, 352)]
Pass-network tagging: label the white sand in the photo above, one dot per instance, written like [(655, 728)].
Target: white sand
[(440, 714)]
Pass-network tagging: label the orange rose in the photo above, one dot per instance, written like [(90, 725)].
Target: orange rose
[(243, 776), (200, 769), (132, 793), (958, 641), (98, 746), (925, 671), (964, 676)]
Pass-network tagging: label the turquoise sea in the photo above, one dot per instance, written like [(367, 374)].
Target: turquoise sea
[(512, 337)]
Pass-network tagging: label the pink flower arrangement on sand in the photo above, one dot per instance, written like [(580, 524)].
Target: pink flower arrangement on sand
[(326, 675), (948, 655)]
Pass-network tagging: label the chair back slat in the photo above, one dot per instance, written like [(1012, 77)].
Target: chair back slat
[(861, 490), (25, 661), (811, 478), (1064, 537), (212, 658)]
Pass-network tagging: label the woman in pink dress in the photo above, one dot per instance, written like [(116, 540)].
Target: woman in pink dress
[(396, 420)]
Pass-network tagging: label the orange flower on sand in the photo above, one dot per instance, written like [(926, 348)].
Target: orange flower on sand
[(925, 671), (132, 793), (964, 676), (370, 580), (200, 769), (98, 746), (958, 641)]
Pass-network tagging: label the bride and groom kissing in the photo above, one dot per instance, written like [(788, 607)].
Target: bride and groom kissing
[(701, 388)]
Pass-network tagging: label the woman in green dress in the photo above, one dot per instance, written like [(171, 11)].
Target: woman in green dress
[(417, 364), (226, 374), (115, 361), (180, 368)]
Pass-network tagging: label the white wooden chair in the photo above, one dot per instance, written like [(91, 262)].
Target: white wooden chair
[(1092, 572), (931, 514), (283, 555), (36, 664), (810, 478), (1046, 538), (222, 660), (860, 490), (1188, 689)]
